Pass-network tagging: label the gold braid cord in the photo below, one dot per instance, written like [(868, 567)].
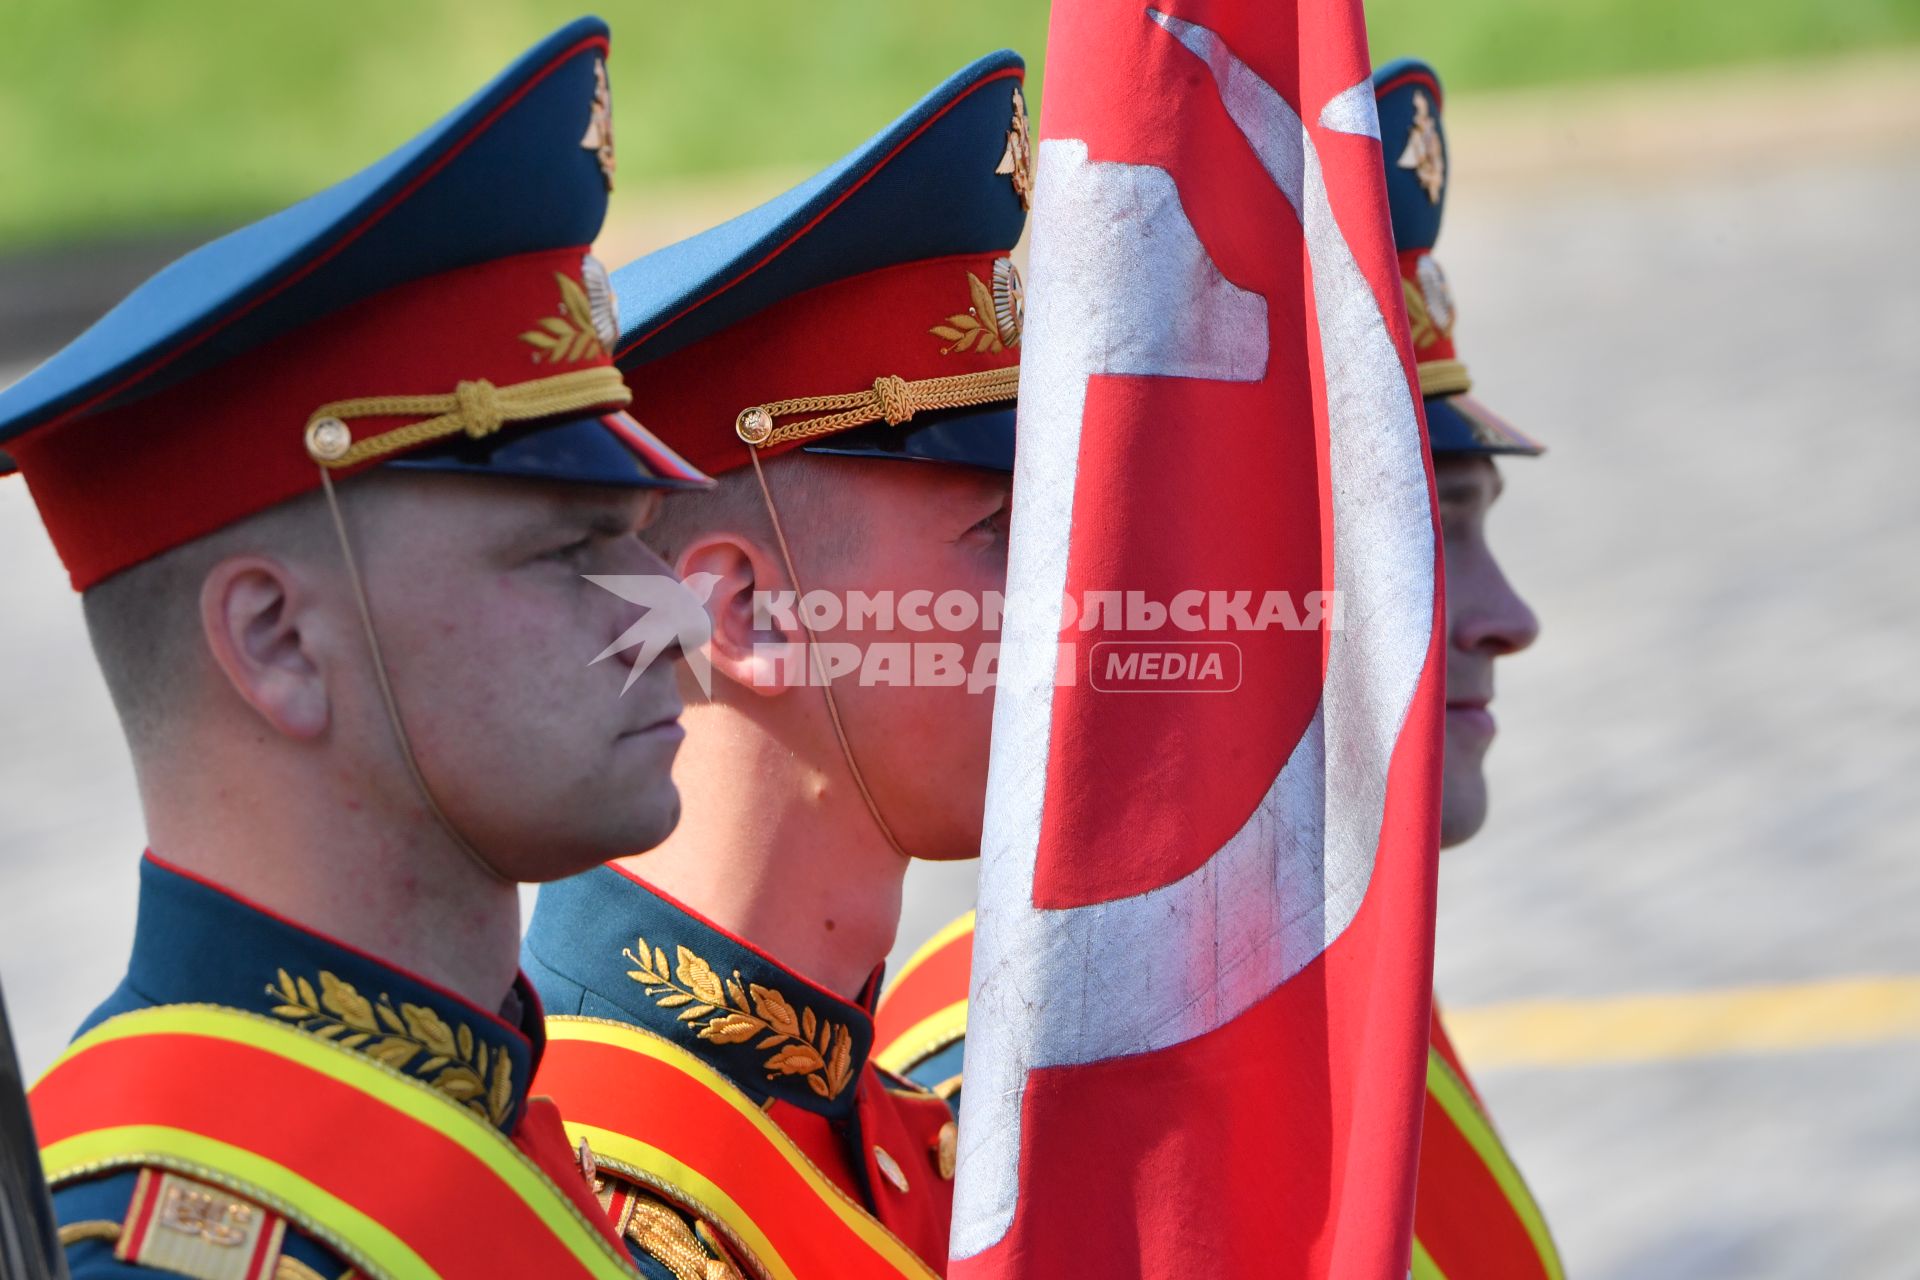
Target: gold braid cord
[(1444, 378), (72, 1233), (892, 400), (476, 408)]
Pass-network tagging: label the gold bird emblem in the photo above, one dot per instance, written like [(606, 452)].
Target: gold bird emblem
[(1017, 160), (599, 135), (1425, 154)]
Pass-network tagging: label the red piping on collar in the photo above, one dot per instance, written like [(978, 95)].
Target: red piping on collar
[(348, 947), (729, 934)]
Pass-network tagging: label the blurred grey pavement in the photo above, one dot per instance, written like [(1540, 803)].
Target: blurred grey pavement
[(1708, 774)]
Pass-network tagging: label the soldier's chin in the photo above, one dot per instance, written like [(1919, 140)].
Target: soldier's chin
[(637, 821), (1463, 806), (655, 817)]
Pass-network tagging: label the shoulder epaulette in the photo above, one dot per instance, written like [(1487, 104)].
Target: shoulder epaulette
[(682, 1242)]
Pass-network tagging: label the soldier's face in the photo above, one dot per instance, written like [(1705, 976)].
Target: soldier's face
[(490, 628), (1486, 620), (922, 739)]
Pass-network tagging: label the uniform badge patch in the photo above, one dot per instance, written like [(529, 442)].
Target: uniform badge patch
[(1017, 161), (599, 135), (1424, 153), (191, 1228)]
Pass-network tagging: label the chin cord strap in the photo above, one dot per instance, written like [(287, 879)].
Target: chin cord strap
[(386, 690), (813, 652)]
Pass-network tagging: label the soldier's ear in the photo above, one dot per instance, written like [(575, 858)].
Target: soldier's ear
[(255, 612), (757, 643)]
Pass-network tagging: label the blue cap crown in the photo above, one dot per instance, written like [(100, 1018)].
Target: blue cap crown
[(410, 312), (890, 264)]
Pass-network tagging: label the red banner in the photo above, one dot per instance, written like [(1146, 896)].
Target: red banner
[(1198, 1030)]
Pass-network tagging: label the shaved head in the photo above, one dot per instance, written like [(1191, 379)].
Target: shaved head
[(145, 621)]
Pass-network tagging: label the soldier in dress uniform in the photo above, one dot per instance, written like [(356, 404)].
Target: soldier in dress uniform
[(845, 360), (329, 486), (1473, 1214)]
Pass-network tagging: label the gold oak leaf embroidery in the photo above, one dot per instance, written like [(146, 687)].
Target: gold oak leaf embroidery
[(1419, 320), (571, 335), (406, 1037), (733, 1011), (978, 328)]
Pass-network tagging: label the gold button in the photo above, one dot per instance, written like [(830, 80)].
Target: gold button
[(889, 1168), (328, 439), (754, 425), (947, 1149)]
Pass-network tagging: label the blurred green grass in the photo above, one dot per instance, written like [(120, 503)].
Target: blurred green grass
[(131, 117), (1493, 44)]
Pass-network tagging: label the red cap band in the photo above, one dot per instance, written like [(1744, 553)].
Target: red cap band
[(110, 486), (829, 341)]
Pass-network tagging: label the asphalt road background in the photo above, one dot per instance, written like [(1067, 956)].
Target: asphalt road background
[(1705, 298)]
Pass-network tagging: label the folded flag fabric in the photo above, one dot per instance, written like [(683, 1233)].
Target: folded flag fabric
[(1198, 1033)]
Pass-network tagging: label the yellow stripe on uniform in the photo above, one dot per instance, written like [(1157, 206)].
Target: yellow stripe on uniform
[(924, 1038), (953, 930), (636, 1154), (412, 1097), (1696, 1024), (340, 1226), (1451, 1093), (1423, 1265)]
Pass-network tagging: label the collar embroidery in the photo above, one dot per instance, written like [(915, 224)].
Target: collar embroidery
[(734, 1011), (407, 1037)]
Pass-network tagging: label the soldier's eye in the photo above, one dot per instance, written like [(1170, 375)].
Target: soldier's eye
[(997, 523)]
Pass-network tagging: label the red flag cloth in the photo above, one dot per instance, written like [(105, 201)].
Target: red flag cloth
[(1198, 1031)]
